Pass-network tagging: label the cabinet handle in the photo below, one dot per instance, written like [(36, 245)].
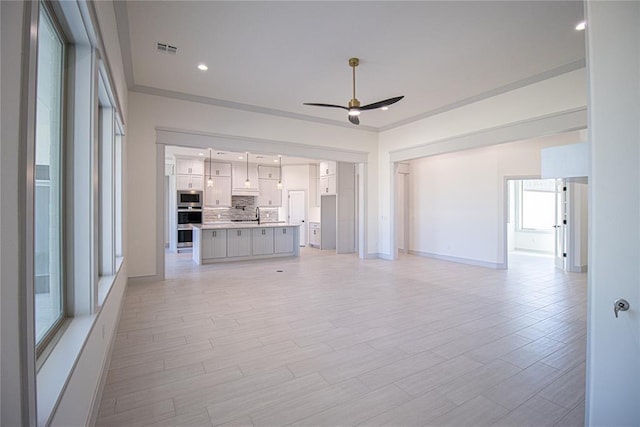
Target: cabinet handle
[(284, 231), (239, 232), (217, 172), (217, 202), (214, 234)]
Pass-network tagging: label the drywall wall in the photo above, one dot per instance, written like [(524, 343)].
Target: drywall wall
[(148, 112), (613, 347), (551, 106), (457, 200)]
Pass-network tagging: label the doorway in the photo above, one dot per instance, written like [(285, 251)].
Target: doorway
[(297, 212), (547, 218)]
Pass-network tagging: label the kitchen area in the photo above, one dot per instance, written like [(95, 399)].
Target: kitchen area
[(224, 206)]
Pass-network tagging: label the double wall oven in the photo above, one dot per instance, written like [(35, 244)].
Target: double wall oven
[(189, 213)]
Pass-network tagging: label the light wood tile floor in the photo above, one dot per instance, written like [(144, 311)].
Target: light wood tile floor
[(327, 340)]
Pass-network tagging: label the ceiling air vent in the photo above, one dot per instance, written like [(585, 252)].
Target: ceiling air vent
[(166, 48)]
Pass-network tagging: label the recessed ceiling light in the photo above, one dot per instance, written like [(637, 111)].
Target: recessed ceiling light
[(200, 154), (581, 26), (240, 158), (385, 108), (202, 67), (275, 160)]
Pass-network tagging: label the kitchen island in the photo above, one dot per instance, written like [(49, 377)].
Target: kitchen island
[(224, 242)]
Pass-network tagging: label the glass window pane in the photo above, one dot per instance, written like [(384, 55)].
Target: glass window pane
[(48, 182), (538, 204)]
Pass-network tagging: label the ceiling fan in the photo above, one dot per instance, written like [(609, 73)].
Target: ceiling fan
[(354, 107)]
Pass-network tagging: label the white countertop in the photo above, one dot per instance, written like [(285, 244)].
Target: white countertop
[(225, 225)]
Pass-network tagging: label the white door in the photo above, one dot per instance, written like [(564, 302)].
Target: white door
[(297, 213), (613, 352), (561, 224)]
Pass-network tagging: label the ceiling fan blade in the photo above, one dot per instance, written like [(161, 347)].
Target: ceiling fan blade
[(381, 104), (325, 105), (354, 119)]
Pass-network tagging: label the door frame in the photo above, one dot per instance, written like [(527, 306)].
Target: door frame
[(505, 219)]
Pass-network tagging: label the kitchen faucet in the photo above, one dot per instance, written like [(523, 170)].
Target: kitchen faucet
[(258, 214)]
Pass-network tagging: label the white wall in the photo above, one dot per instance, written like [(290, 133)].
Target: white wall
[(613, 347), (564, 93), (146, 112), (457, 200)]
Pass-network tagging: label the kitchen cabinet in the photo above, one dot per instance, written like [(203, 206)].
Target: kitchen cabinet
[(262, 241), (218, 243), (214, 244), (283, 242), (220, 194), (189, 167), (189, 182), (217, 169), (314, 234), (327, 185), (238, 242), (327, 168), (238, 177), (268, 172), (270, 194)]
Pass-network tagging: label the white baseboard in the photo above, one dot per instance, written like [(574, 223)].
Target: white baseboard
[(458, 260)]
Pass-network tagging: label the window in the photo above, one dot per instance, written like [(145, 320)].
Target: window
[(48, 202), (538, 204)]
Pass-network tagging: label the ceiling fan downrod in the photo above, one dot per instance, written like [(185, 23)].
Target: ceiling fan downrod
[(354, 103)]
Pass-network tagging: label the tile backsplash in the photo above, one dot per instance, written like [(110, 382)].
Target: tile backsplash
[(243, 208)]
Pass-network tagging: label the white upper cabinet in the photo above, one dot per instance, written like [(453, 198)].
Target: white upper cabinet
[(189, 167), (239, 175), (270, 194), (219, 195), (189, 182), (217, 169), (327, 184), (268, 172), (327, 168)]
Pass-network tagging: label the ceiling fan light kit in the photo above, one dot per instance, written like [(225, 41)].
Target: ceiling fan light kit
[(354, 109)]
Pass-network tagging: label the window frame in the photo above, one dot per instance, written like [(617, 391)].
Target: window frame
[(50, 338)]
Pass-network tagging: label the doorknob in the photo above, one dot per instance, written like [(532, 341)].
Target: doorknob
[(620, 304)]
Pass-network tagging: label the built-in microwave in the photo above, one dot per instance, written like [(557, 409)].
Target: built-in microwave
[(189, 216), (189, 199)]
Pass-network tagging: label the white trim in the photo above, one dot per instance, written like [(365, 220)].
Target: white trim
[(26, 187), (246, 107), (458, 260), (54, 375), (188, 138), (550, 124), (567, 68)]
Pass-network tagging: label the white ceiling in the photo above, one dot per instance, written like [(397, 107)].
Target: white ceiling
[(277, 55)]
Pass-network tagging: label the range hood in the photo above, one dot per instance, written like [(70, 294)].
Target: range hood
[(245, 192)]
